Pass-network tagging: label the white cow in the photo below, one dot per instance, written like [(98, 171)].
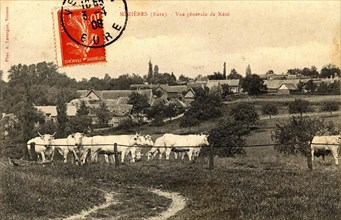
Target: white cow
[(147, 141), (73, 144), (331, 143), (42, 146), (158, 147), (105, 145), (186, 143)]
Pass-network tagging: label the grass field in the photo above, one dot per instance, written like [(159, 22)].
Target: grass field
[(259, 185)]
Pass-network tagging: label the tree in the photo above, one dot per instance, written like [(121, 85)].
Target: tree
[(270, 72), (183, 78), (82, 122), (225, 90), (205, 106), (164, 78), (228, 139), (83, 109), (254, 85), (294, 71), (156, 69), (269, 109), (139, 102), (224, 70), (28, 116), (150, 71), (311, 86), (300, 86), (125, 81), (295, 135), (334, 87), (330, 70), (245, 114), (103, 115), (216, 76), (169, 111), (234, 75), (248, 71), (189, 121), (312, 72), (299, 106), (62, 118), (330, 107)]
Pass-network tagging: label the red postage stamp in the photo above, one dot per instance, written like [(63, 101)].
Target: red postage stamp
[(86, 26), (82, 32)]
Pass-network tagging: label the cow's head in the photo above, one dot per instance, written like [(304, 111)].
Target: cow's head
[(204, 139), (47, 139), (78, 137), (138, 139), (148, 140)]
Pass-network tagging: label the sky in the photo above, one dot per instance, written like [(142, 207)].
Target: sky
[(268, 35)]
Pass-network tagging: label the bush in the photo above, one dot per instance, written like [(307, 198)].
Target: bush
[(299, 106), (244, 113), (128, 125), (269, 109), (330, 107), (188, 121), (228, 138), (295, 135)]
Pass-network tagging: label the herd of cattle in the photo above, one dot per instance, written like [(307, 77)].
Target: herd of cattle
[(81, 146)]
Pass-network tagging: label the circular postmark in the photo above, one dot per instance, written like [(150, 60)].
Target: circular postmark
[(94, 23)]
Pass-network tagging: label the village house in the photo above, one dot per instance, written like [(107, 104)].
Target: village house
[(169, 92), (234, 85), (50, 112), (116, 101)]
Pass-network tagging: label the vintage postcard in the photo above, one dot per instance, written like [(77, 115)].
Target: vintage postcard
[(170, 109)]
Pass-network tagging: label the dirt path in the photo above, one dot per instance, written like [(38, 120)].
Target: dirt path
[(178, 203), (109, 200)]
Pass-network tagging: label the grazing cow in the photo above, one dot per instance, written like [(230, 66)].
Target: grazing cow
[(105, 145), (73, 143), (145, 141), (42, 147), (190, 144), (324, 143), (158, 147)]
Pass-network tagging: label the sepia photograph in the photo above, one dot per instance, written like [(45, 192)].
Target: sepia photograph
[(170, 109)]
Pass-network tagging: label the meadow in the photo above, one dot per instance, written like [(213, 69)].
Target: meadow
[(262, 184), (259, 185)]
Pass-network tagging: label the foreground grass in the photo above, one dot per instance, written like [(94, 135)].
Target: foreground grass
[(256, 186)]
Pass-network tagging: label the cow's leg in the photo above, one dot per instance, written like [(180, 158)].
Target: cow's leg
[(83, 157), (189, 154), (65, 153), (43, 156), (168, 152), (175, 155), (336, 156), (123, 152), (75, 157), (133, 154), (162, 151), (93, 156), (106, 158), (312, 154), (52, 156)]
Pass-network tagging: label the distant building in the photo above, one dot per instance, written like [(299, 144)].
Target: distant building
[(234, 85), (50, 112), (287, 88), (169, 92)]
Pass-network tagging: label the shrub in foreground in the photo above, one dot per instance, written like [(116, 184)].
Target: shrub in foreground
[(228, 139)]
